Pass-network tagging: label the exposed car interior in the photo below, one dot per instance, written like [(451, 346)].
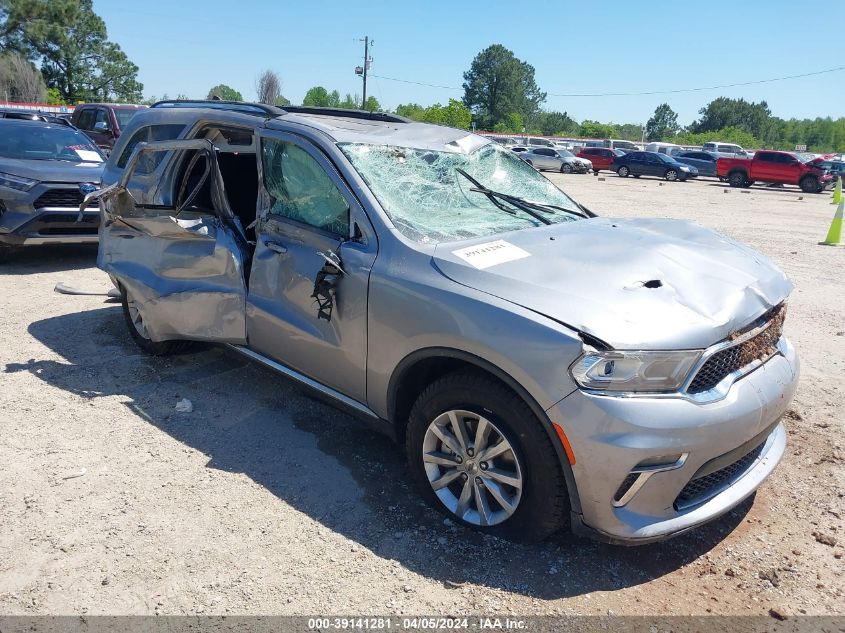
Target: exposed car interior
[(236, 149)]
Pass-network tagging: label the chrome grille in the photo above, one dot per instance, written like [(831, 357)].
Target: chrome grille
[(732, 359)]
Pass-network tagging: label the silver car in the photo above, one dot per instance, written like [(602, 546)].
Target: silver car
[(542, 366), (45, 171), (546, 158)]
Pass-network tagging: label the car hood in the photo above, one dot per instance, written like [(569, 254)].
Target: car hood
[(600, 276), (52, 170)]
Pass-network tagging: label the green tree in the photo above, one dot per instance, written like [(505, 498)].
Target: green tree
[(498, 84), (349, 102), (729, 135), (594, 129), (555, 124), (72, 44), (724, 112), (224, 93), (320, 97), (372, 105), (454, 114), (663, 124), (20, 80), (413, 111)]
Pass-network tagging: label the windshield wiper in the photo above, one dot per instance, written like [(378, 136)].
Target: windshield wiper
[(525, 205), (496, 196)]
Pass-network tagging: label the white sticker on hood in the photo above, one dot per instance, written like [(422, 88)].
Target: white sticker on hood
[(491, 253), (89, 155)]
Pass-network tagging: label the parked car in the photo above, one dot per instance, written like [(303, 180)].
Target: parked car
[(833, 164), (538, 142), (542, 158), (104, 122), (704, 162), (724, 148), (540, 364), (34, 115), (612, 143), (600, 157), (652, 164), (45, 170), (774, 167), (664, 148)]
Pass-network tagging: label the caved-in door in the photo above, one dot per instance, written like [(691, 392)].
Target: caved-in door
[(182, 264)]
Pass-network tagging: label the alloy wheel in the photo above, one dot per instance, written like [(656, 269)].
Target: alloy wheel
[(136, 318), (472, 468)]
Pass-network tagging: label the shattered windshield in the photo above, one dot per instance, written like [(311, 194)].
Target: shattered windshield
[(429, 200)]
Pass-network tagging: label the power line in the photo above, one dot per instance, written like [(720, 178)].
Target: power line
[(638, 94)]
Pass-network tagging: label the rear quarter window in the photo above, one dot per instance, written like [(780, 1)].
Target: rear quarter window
[(148, 134)]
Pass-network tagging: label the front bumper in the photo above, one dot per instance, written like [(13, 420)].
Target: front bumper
[(611, 436), (25, 221)]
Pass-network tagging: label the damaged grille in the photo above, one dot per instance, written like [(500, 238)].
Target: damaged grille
[(700, 489), (727, 361), (60, 198)]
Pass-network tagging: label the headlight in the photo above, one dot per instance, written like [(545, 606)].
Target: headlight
[(633, 371), (16, 182), (684, 168)]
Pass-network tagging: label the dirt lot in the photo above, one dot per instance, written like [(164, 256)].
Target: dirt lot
[(263, 500)]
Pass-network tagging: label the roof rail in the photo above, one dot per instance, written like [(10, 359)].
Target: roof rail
[(385, 117), (259, 109)]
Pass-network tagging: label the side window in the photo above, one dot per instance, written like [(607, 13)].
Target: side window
[(766, 157), (86, 120), (102, 117), (301, 190), (149, 161)]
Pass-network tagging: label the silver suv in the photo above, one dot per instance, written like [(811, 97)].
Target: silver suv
[(541, 365)]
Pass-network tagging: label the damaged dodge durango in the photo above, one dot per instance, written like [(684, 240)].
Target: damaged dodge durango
[(542, 366)]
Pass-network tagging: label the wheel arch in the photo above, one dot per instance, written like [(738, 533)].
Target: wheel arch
[(422, 367)]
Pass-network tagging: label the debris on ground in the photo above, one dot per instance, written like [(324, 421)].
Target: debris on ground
[(184, 406)]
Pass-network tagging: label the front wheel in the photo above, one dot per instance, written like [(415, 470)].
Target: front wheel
[(139, 333), (623, 171), (671, 175), (811, 184), (478, 453), (566, 168)]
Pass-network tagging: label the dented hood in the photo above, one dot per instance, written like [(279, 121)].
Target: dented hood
[(635, 284)]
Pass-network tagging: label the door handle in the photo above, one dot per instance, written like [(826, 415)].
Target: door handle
[(276, 247)]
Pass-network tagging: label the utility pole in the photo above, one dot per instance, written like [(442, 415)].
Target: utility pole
[(362, 70)]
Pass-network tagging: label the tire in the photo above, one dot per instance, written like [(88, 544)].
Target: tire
[(138, 332), (811, 184), (538, 507), (623, 171), (566, 168), (637, 175), (671, 175), (737, 179)]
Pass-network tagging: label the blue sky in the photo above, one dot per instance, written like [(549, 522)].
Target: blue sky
[(587, 47)]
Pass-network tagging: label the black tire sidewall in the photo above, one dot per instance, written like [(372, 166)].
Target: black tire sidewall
[(533, 519)]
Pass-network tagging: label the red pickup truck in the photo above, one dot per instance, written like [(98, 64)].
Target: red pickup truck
[(776, 167)]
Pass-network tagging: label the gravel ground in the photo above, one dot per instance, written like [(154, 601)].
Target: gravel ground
[(263, 500)]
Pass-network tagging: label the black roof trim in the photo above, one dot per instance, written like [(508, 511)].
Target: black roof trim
[(258, 109), (385, 117)]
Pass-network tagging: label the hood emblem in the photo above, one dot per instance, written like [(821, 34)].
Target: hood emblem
[(86, 187)]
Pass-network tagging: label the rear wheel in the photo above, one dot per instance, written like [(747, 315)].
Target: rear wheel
[(737, 179), (139, 333), (811, 184), (478, 453), (623, 171), (670, 175)]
